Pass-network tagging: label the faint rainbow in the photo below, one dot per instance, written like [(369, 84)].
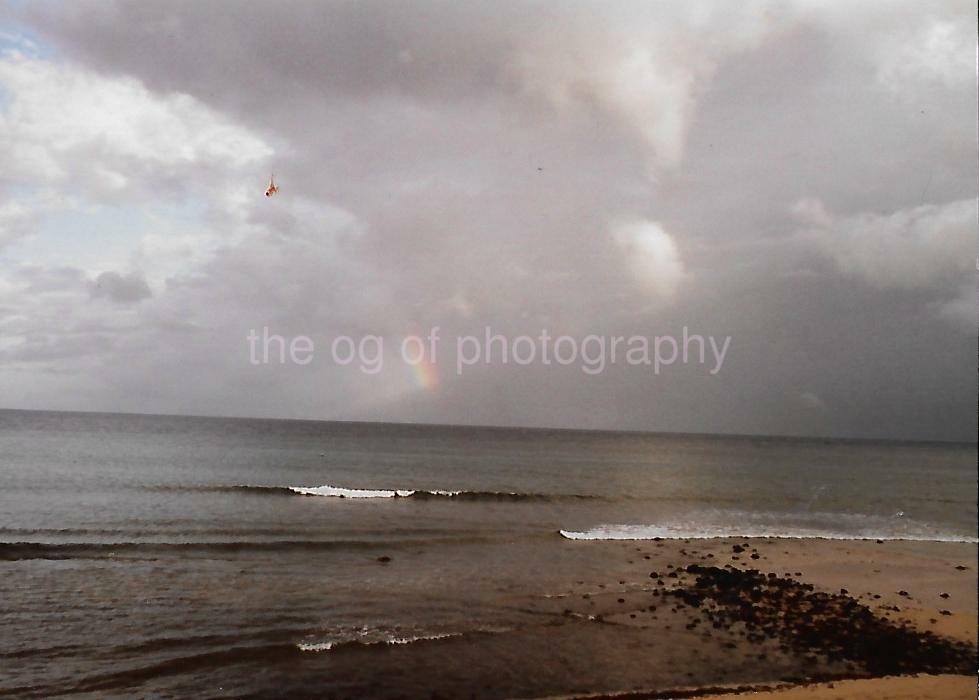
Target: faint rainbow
[(425, 374)]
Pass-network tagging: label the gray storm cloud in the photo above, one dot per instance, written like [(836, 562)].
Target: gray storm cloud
[(795, 175), (120, 288)]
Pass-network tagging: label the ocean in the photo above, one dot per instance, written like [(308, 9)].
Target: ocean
[(163, 556)]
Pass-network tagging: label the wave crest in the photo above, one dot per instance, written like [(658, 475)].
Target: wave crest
[(423, 495), (667, 532), (331, 491), (384, 641)]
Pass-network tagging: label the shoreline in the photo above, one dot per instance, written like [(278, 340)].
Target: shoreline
[(913, 687), (668, 536)]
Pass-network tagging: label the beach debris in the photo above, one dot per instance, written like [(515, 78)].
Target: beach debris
[(384, 559)]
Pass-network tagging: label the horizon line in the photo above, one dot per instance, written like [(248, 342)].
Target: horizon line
[(539, 428)]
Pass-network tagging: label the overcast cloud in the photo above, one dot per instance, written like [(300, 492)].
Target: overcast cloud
[(801, 176)]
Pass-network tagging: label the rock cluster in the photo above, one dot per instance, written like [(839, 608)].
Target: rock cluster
[(815, 623)]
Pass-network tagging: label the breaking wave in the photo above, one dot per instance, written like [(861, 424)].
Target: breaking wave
[(669, 532), (390, 641), (367, 637), (343, 492), (421, 494)]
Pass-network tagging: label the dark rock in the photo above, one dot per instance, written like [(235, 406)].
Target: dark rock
[(818, 624)]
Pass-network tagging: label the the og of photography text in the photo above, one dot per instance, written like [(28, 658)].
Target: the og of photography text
[(592, 354)]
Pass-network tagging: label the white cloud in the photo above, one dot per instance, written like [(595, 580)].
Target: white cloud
[(100, 164), (103, 174), (642, 71), (908, 44), (938, 51), (910, 248), (652, 255), (62, 123), (930, 248)]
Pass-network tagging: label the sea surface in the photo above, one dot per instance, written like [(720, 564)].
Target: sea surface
[(207, 557)]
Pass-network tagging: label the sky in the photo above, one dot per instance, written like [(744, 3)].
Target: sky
[(797, 176)]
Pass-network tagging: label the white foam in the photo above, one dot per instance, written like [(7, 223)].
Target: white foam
[(425, 638), (649, 532), (341, 492), (338, 492), (389, 641)]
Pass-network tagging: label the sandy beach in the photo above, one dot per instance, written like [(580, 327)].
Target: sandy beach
[(927, 687), (899, 598)]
